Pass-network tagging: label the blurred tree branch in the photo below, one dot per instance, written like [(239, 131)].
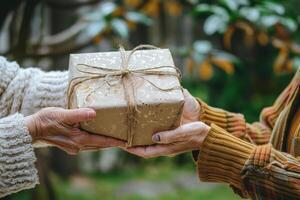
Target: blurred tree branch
[(103, 20)]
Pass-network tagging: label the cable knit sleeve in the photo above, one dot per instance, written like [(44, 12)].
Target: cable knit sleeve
[(28, 90), (259, 172), (234, 123), (22, 93), (17, 170)]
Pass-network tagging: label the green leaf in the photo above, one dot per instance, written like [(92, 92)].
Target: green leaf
[(182, 51), (225, 55), (120, 27), (202, 46), (234, 4), (275, 7), (217, 10), (107, 8), (95, 28), (289, 23), (198, 57), (269, 21), (231, 4), (213, 24), (296, 62), (251, 14), (101, 11), (243, 2), (138, 17)]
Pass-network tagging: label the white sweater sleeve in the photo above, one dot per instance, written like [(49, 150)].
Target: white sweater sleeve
[(23, 92), (17, 170), (28, 90)]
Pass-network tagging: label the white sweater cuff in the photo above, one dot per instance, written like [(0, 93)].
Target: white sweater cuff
[(17, 156)]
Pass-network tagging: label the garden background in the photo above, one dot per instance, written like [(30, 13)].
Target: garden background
[(234, 54)]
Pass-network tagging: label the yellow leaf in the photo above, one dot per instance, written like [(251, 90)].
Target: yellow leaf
[(131, 25), (228, 36), (97, 39), (133, 3), (223, 64), (205, 70), (280, 61), (152, 8), (190, 65), (278, 43), (282, 32), (290, 66), (249, 32), (173, 8), (263, 38), (119, 11)]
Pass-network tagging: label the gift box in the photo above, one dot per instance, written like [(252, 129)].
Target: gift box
[(135, 93)]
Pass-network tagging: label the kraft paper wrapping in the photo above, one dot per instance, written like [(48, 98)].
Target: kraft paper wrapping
[(157, 110)]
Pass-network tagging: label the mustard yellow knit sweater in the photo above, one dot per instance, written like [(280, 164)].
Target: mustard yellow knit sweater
[(259, 160)]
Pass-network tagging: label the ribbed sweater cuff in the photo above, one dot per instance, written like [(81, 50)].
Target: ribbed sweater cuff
[(222, 157), (234, 123), (16, 156), (259, 133), (47, 89)]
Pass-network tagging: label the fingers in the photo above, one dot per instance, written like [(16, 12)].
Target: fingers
[(155, 150), (91, 141), (179, 134), (149, 151), (74, 116), (63, 143), (74, 143)]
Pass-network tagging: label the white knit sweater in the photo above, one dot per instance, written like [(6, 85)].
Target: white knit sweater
[(23, 92)]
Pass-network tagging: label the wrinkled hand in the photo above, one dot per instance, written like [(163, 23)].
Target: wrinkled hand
[(188, 137), (191, 108), (60, 127)]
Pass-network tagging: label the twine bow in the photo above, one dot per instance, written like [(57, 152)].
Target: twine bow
[(124, 74)]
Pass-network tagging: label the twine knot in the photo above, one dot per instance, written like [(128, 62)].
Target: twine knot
[(125, 72)]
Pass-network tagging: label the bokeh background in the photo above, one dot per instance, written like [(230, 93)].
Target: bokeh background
[(234, 54)]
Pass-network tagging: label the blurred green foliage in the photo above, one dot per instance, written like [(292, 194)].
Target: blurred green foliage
[(105, 186), (242, 54), (249, 57)]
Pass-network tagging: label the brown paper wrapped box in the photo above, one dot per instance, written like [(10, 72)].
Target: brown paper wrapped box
[(156, 109)]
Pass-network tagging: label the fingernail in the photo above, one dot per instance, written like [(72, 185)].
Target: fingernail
[(156, 138), (91, 114)]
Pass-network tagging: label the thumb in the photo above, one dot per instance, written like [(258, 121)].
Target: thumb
[(191, 104), (78, 115), (191, 109)]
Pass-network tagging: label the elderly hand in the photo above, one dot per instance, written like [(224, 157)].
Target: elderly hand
[(191, 109), (60, 127), (188, 137)]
